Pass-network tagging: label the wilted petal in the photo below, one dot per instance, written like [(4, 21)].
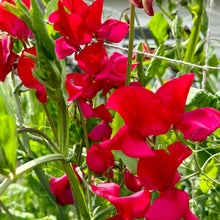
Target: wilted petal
[(113, 30), (140, 109), (137, 3), (148, 7), (130, 142), (25, 68), (174, 93), (99, 158), (199, 123), (171, 204)]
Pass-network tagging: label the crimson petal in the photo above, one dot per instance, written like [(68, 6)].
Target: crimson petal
[(173, 94), (25, 68), (140, 109), (171, 204), (199, 123), (113, 30), (130, 142)]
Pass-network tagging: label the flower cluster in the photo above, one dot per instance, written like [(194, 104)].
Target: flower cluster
[(148, 114)]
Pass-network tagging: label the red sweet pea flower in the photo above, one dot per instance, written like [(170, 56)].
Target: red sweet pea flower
[(196, 124), (60, 187), (132, 182), (93, 60), (146, 4), (101, 132), (81, 24), (13, 25), (160, 172), (130, 207), (7, 56), (172, 204), (25, 68), (99, 158), (153, 113)]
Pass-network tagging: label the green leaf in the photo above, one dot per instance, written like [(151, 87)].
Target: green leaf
[(117, 123), (157, 66), (51, 6), (131, 163), (41, 35), (8, 140), (199, 98), (211, 171), (158, 27)]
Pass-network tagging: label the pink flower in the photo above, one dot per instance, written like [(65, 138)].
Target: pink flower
[(146, 4), (160, 172), (128, 208), (148, 113), (93, 60), (25, 67), (99, 158), (60, 187), (13, 25), (196, 124), (82, 24), (172, 204), (132, 182), (7, 56), (101, 132)]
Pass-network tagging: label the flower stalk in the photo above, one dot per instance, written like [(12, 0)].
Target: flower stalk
[(131, 44)]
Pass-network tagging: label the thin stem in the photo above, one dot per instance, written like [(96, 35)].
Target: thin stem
[(10, 216), (77, 191), (51, 122), (204, 74), (131, 44), (142, 33), (26, 167), (34, 130), (63, 127), (193, 39), (86, 141), (166, 12), (25, 139)]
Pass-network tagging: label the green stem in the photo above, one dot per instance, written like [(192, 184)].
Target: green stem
[(26, 167), (86, 140), (131, 44), (193, 39), (54, 145), (166, 12), (77, 191), (63, 127), (25, 139), (142, 34), (51, 122), (10, 216)]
